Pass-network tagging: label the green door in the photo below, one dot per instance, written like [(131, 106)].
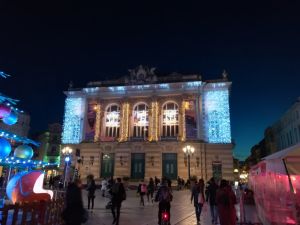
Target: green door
[(107, 165), (217, 170), (169, 165), (137, 165)]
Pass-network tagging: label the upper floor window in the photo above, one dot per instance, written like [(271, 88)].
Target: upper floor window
[(140, 120), (112, 121), (170, 120)]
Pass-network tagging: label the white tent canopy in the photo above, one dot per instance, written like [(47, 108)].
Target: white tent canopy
[(291, 157)]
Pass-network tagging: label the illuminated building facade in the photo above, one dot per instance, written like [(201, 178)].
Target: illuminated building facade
[(286, 130), (50, 147), (137, 126)]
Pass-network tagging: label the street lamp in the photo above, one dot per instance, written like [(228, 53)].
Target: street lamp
[(189, 150), (67, 152)]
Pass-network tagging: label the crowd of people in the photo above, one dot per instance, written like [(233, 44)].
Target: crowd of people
[(74, 212), (220, 199)]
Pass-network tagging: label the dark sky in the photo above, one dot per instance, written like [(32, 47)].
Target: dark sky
[(45, 45)]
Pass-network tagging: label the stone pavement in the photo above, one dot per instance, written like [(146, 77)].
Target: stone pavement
[(182, 211)]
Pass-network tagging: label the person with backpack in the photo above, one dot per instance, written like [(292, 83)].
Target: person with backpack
[(142, 190), (91, 188), (118, 194), (164, 197)]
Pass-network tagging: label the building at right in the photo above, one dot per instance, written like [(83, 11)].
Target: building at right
[(286, 130), (284, 133)]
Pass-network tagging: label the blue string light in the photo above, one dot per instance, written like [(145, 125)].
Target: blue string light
[(17, 162), (17, 138), (73, 121), (217, 115)]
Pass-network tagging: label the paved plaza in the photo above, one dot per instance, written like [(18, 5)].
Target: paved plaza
[(182, 211)]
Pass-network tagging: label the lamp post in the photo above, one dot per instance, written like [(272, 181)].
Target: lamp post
[(67, 152), (189, 150)]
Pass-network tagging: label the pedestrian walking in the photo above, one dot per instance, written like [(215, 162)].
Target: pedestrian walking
[(91, 188), (182, 183), (142, 190), (60, 184), (156, 181), (150, 189), (104, 186), (51, 182), (169, 184), (118, 195), (211, 192), (198, 198), (225, 202), (178, 183), (74, 213)]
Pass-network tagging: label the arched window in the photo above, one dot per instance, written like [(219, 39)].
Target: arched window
[(112, 121), (170, 120), (140, 120)]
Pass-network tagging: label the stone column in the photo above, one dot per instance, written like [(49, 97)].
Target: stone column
[(182, 131), (158, 121), (124, 122), (154, 123), (98, 123), (129, 118), (150, 127)]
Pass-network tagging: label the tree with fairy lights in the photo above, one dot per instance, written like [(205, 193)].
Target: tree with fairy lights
[(28, 174)]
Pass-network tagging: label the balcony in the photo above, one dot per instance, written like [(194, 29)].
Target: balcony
[(168, 138), (138, 138)]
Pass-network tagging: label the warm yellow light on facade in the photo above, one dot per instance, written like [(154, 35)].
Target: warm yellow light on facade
[(98, 122), (186, 105), (182, 120), (153, 128), (124, 122)]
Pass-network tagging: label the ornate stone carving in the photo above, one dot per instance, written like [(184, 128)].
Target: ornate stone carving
[(142, 74), (71, 84)]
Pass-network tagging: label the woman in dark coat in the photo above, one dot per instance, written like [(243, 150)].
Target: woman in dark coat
[(74, 213), (225, 202)]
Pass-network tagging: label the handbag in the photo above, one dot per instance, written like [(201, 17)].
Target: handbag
[(200, 198)]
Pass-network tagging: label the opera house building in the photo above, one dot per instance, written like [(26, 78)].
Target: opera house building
[(144, 125)]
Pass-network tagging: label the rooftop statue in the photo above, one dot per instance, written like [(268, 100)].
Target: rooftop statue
[(142, 74), (225, 75), (71, 84)]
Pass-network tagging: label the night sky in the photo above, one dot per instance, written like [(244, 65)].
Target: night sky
[(46, 45)]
